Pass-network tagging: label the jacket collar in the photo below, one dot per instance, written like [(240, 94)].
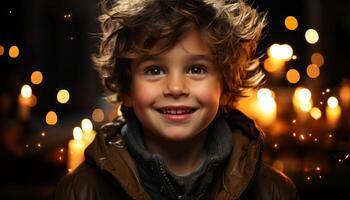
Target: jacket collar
[(218, 146), (245, 159), (109, 153)]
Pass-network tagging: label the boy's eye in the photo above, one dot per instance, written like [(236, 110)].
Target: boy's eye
[(197, 69), (154, 70)]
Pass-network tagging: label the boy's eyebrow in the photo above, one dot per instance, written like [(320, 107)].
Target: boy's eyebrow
[(192, 58)]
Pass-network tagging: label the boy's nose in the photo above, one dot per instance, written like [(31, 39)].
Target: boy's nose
[(176, 86)]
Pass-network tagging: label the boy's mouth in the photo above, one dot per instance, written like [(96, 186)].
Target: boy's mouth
[(176, 110)]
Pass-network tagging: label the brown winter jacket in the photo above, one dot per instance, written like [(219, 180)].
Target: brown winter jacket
[(109, 172)]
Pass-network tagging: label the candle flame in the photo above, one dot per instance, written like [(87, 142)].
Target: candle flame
[(26, 91), (86, 125), (77, 133), (332, 102)]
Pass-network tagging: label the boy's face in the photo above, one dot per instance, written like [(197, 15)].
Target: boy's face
[(176, 94)]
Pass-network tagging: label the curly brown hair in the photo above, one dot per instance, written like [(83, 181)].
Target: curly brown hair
[(130, 28)]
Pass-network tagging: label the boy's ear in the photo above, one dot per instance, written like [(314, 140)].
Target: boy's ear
[(126, 99)]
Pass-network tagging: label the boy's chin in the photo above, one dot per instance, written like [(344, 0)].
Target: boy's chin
[(179, 136)]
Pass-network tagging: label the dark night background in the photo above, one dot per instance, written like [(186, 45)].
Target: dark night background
[(60, 47)]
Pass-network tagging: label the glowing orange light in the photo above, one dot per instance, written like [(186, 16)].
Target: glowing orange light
[(291, 23), (293, 76), (51, 118), (315, 113), (14, 52), (36, 77), (2, 50), (317, 59), (273, 65), (98, 115), (313, 71)]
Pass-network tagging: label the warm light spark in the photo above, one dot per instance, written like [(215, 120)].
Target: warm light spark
[(294, 121), (308, 178), (43, 134), (318, 168), (302, 137), (294, 134), (39, 145), (61, 150), (275, 145), (330, 135)]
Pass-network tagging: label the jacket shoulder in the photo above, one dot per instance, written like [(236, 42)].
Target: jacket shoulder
[(273, 184), (87, 183)]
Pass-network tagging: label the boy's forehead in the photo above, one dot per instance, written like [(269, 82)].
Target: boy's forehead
[(193, 42)]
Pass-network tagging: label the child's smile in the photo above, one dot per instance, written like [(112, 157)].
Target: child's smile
[(176, 94)]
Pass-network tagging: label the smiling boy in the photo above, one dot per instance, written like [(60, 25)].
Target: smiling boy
[(177, 68)]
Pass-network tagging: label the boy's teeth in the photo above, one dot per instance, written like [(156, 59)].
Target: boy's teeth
[(175, 112)]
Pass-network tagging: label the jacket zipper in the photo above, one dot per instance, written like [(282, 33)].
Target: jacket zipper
[(166, 181)]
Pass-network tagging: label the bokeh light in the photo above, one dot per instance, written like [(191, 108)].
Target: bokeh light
[(63, 96), (51, 118), (14, 52), (291, 23), (77, 133), (332, 102), (98, 115), (2, 50), (317, 59), (86, 125), (273, 65), (313, 71), (36, 77), (293, 76), (281, 52), (311, 36), (315, 113), (26, 91)]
